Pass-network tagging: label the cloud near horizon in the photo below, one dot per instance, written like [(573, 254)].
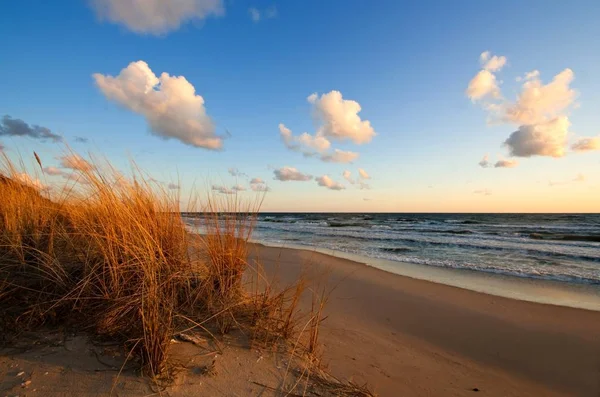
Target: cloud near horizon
[(286, 173), (169, 103), (18, 127), (586, 144), (156, 17), (236, 172), (506, 164), (329, 183), (484, 192)]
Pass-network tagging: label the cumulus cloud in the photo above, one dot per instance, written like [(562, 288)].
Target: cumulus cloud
[(258, 185), (238, 188), (81, 139), (340, 156), (169, 103), (538, 102), (329, 183), (75, 162), (586, 144), (290, 174), (235, 172), (348, 176), (339, 118), (173, 186), (506, 164), (156, 16), (315, 146), (540, 110), (484, 192), (363, 174), (542, 139), (18, 127), (492, 63), (222, 189), (483, 85), (485, 162), (53, 171), (256, 15)]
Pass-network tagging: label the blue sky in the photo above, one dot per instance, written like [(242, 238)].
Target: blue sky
[(407, 64)]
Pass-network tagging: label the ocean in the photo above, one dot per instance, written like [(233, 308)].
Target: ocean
[(560, 247)]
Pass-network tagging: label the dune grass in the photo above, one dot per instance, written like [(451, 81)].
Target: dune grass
[(113, 256)]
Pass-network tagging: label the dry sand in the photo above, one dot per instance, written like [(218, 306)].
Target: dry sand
[(403, 336), (410, 337)]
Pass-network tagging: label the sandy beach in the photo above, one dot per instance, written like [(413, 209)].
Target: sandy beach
[(402, 336), (413, 337)]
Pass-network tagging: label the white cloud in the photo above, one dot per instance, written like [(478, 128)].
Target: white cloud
[(238, 188), (258, 185), (256, 15), (483, 85), (339, 118), (311, 146), (173, 186), (492, 63), (222, 189), (485, 161), (540, 110), (79, 178), (290, 174), (329, 183), (156, 16), (169, 104), (75, 162), (538, 103), (53, 171), (484, 192), (348, 176), (363, 174), (340, 156), (506, 164), (586, 144), (364, 186), (29, 181), (235, 172), (542, 139)]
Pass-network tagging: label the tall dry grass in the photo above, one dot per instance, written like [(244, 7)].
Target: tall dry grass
[(113, 256)]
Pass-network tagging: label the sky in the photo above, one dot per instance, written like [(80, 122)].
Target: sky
[(353, 106)]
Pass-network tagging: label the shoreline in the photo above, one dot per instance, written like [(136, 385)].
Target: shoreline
[(414, 337), (544, 291)]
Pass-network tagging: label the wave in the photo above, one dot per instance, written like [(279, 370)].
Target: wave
[(565, 237)]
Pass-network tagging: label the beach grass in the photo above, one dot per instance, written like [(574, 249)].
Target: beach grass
[(112, 256)]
